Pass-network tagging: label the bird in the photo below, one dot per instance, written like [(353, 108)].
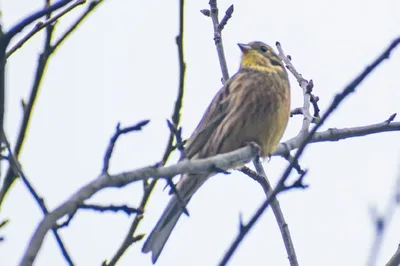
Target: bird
[(253, 106)]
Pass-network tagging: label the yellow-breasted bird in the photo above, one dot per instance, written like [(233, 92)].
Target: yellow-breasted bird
[(252, 106)]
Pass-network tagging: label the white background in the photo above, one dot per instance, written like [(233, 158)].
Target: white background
[(122, 65)]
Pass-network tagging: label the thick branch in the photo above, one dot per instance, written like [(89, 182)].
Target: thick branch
[(223, 161)]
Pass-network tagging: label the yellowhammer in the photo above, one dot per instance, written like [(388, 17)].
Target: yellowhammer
[(252, 106)]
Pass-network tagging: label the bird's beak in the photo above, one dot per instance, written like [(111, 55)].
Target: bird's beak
[(244, 47)]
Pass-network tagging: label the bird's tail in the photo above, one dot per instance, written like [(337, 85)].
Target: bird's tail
[(186, 187)]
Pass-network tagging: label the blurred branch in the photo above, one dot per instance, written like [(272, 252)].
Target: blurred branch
[(17, 169), (130, 237), (2, 224), (395, 260), (381, 223), (3, 46), (281, 184), (222, 161), (43, 59), (35, 16), (90, 8)]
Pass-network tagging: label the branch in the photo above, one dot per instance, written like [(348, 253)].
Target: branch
[(223, 161), (111, 208), (114, 138), (35, 16), (176, 116), (395, 260), (262, 179), (48, 50), (381, 222), (281, 184), (217, 36), (90, 8), (336, 134), (17, 169), (130, 236), (41, 25)]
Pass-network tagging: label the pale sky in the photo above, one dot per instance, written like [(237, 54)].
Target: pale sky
[(122, 65)]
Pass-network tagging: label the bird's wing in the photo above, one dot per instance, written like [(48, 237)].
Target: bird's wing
[(214, 114)]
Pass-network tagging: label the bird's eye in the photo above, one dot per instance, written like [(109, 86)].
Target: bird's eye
[(263, 49)]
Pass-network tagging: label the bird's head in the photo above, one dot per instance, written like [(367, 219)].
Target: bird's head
[(259, 56)]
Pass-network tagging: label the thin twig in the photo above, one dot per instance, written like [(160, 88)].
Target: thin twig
[(280, 219), (35, 16), (48, 50), (262, 179), (90, 8), (41, 25), (245, 228), (306, 87), (111, 208), (381, 222), (3, 46), (129, 238), (118, 132), (17, 168), (225, 19), (336, 134), (218, 39), (281, 184)]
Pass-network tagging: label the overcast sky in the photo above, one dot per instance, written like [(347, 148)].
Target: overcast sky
[(122, 65)]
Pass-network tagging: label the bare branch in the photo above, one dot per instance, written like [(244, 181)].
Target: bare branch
[(336, 134), (35, 16), (111, 208), (381, 222), (176, 116), (118, 132), (304, 84), (17, 168), (41, 25), (395, 260), (280, 219), (218, 39), (90, 8), (43, 59), (225, 19), (223, 161), (281, 184)]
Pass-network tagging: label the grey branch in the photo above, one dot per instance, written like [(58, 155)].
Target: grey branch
[(395, 260), (336, 134), (280, 219), (223, 161)]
